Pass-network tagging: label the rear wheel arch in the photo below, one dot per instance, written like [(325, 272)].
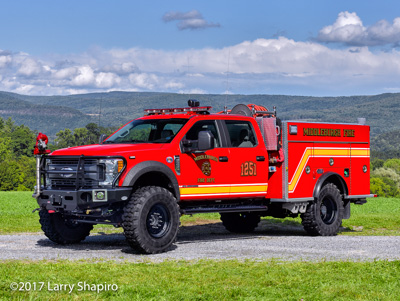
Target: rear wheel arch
[(330, 177), (152, 173)]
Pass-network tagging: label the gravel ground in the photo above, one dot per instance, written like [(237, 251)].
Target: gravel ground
[(211, 241)]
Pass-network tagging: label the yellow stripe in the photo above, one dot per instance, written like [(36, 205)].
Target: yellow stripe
[(204, 190), (306, 155), (331, 152), (223, 189), (324, 152), (360, 152), (256, 188)]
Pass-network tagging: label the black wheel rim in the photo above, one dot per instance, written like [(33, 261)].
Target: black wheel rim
[(328, 210), (158, 221)]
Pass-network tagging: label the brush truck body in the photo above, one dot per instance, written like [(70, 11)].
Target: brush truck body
[(244, 164)]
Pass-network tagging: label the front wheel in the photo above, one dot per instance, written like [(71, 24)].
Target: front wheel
[(61, 230), (151, 220), (324, 216)]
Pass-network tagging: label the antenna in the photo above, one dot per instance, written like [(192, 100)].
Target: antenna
[(101, 100), (227, 78)]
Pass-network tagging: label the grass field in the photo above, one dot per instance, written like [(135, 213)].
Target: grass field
[(202, 280), (379, 216), (205, 279)]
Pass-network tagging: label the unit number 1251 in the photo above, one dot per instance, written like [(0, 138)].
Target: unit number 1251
[(248, 168)]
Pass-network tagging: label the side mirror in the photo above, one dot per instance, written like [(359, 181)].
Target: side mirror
[(206, 141), (102, 138)]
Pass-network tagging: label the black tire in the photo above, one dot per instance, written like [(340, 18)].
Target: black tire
[(240, 222), (61, 230), (324, 216), (151, 220)]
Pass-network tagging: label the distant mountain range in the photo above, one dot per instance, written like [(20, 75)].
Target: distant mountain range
[(50, 114)]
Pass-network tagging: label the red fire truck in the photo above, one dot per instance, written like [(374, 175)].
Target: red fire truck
[(244, 163)]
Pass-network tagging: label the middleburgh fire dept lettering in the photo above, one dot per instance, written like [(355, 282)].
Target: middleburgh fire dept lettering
[(327, 132)]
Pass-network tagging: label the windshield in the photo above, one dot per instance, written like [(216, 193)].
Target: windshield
[(148, 130)]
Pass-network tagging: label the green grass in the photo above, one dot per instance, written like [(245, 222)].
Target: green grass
[(207, 280), (379, 216), (16, 212)]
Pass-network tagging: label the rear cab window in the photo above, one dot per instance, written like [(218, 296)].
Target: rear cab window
[(241, 133)]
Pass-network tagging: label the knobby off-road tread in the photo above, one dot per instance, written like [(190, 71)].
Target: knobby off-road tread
[(135, 215), (55, 228), (311, 219), (240, 222)]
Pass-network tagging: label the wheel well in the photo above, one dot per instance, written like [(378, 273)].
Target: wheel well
[(333, 178), (154, 178)]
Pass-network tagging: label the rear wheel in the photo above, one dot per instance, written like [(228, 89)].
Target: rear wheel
[(324, 216), (151, 220), (241, 222), (62, 230)]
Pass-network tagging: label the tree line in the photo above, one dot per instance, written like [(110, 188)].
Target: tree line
[(17, 163), (385, 177)]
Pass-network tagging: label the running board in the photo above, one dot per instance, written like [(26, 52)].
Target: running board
[(224, 209)]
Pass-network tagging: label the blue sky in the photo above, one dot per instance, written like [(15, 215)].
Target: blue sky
[(240, 47)]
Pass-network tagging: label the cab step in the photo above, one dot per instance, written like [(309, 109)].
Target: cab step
[(224, 208)]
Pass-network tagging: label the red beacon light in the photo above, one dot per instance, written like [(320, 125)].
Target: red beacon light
[(41, 145)]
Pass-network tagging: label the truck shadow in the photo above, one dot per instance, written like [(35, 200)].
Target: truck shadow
[(186, 235), (216, 231)]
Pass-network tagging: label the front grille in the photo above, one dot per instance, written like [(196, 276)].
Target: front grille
[(64, 183), (73, 161), (73, 173)]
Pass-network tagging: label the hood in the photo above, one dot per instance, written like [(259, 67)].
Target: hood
[(106, 149)]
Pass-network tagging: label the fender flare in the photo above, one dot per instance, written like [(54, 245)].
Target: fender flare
[(336, 179), (152, 166)]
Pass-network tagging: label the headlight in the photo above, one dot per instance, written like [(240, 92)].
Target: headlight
[(112, 168)]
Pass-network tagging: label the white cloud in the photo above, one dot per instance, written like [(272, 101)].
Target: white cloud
[(149, 81), (65, 73), (29, 67), (348, 29), (122, 68), (5, 59), (258, 66), (107, 80), (143, 80), (85, 76), (191, 20), (192, 91)]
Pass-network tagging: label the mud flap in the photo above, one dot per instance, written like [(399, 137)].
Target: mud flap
[(346, 214)]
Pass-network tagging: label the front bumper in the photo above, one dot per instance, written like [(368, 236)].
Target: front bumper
[(70, 200)]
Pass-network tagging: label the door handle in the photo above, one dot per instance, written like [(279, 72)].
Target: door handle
[(223, 159), (260, 158)]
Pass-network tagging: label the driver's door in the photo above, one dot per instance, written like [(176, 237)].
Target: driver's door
[(204, 175)]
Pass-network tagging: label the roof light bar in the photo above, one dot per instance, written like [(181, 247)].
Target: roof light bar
[(178, 110)]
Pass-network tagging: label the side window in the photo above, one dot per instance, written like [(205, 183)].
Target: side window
[(241, 133), (205, 125)]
